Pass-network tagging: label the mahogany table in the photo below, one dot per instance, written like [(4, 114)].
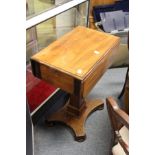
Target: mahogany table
[(75, 63)]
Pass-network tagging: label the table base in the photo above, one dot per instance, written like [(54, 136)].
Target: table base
[(76, 123)]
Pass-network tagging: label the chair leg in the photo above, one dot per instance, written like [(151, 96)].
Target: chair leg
[(122, 92)]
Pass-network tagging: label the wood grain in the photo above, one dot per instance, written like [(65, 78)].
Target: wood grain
[(99, 2), (118, 119), (76, 123), (96, 3), (74, 54), (75, 62), (99, 69), (57, 78)]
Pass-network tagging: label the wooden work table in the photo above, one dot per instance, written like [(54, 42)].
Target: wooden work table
[(75, 63)]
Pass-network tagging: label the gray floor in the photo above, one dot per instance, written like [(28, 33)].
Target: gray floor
[(58, 140)]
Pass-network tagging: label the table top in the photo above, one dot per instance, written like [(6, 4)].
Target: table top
[(77, 52)]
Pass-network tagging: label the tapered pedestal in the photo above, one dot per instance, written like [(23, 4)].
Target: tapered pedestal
[(75, 63), (76, 123)]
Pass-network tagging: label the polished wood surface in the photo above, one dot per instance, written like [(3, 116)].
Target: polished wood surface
[(96, 3), (59, 79), (99, 69), (99, 2), (77, 52), (77, 124), (75, 63), (117, 117)]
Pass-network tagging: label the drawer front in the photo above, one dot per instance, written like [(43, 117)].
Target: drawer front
[(57, 78), (98, 71)]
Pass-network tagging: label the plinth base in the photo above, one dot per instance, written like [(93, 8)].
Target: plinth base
[(76, 123)]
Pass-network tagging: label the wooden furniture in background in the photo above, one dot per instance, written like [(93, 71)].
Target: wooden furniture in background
[(75, 63), (120, 124), (125, 93), (95, 3)]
